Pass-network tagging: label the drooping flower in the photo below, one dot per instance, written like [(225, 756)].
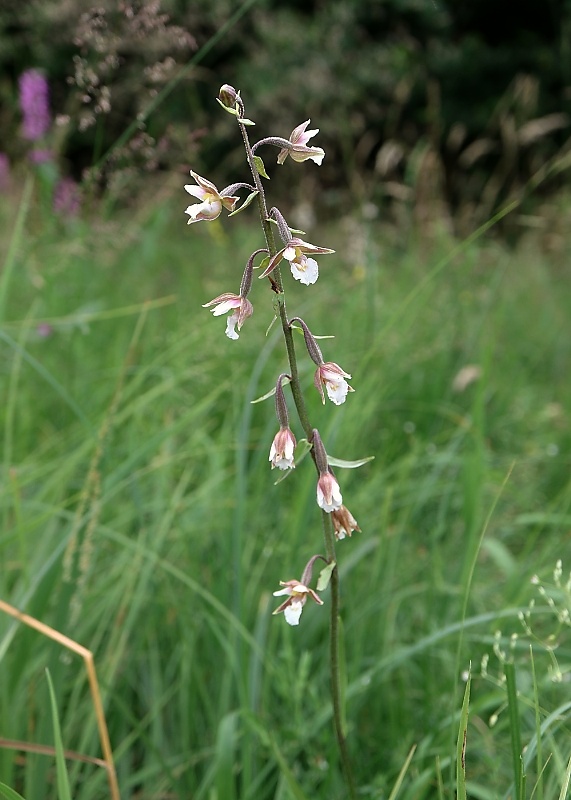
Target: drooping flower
[(241, 309), (344, 522), (302, 268), (299, 150), (297, 595), (332, 377), (328, 492), (34, 104), (281, 451), (211, 199)]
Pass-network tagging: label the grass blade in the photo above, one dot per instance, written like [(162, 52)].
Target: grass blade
[(461, 745), (61, 769), (8, 793)]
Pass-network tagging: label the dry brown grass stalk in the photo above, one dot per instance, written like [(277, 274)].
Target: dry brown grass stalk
[(107, 761)]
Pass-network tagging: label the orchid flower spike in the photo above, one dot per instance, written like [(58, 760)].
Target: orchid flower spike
[(298, 149), (241, 309), (305, 270), (211, 203), (297, 594)]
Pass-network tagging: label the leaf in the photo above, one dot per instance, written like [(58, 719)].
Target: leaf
[(245, 204), (325, 577), (302, 448), (263, 263), (295, 230), (259, 164), (8, 793), (246, 121), (323, 336), (339, 462), (461, 793), (271, 393), (61, 769), (232, 111)]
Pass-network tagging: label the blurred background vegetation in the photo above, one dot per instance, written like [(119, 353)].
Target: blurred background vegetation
[(138, 511), (441, 107)]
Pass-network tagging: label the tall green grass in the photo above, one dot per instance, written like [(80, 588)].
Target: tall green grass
[(140, 517)]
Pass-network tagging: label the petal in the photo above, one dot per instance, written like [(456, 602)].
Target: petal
[(229, 202), (227, 305), (300, 154), (307, 247), (337, 390), (306, 272), (289, 252), (231, 325), (292, 612), (196, 191), (298, 132), (208, 210), (206, 185), (306, 135)]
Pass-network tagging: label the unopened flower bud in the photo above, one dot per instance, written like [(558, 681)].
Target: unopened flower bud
[(227, 96)]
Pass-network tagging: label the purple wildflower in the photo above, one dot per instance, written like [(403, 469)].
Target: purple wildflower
[(67, 200), (34, 103), (40, 155)]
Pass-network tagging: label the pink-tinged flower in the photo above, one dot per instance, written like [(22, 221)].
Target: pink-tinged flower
[(328, 493), (297, 595), (281, 451), (211, 203), (34, 103), (303, 269), (241, 309), (67, 198), (344, 522), (40, 155), (300, 151), (332, 377)]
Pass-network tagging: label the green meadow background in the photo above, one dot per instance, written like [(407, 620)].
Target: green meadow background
[(139, 514), (140, 517)]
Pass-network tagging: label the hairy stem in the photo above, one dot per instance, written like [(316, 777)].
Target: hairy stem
[(329, 536)]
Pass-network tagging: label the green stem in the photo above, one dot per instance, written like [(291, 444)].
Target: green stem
[(329, 536), (334, 658), (287, 332)]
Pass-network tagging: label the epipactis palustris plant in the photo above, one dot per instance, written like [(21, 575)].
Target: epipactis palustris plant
[(329, 378)]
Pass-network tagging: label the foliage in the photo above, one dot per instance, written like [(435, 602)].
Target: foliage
[(435, 105), (127, 524)]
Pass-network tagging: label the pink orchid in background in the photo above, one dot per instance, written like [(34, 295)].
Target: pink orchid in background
[(297, 595), (299, 150), (240, 306), (303, 269), (344, 523), (332, 377), (281, 451), (211, 203), (328, 493)]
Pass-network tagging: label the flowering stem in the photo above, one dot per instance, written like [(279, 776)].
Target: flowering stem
[(297, 394), (280, 298), (334, 658)]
